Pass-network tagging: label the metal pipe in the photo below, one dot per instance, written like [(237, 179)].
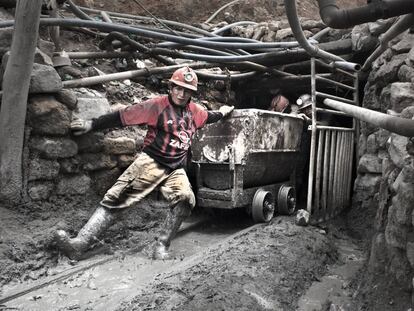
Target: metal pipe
[(340, 113), (400, 26), (325, 95), (342, 85), (77, 11), (341, 183), (98, 54), (294, 23), (348, 163), (397, 125), (336, 69), (344, 65), (325, 172), (319, 167), (313, 140), (106, 17), (224, 28), (130, 74), (336, 172), (331, 173), (124, 16), (351, 163), (334, 17), (219, 10)]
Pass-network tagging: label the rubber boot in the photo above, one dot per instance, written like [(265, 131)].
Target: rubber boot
[(159, 249), (73, 248)]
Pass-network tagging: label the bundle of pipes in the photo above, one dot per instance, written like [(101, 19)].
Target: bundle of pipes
[(246, 57)]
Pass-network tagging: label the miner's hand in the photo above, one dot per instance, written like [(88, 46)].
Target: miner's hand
[(226, 110), (80, 127)]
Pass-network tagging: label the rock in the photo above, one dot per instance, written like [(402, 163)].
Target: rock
[(371, 100), (283, 34), (378, 254), (366, 186), (68, 98), (370, 163), (388, 72), (78, 184), (377, 141), (395, 233), (42, 58), (404, 203), (302, 218), (309, 24), (90, 108), (43, 169), (362, 39), (400, 268), (125, 160), (97, 161), (54, 148), (410, 57), (404, 45), (44, 79), (398, 150), (385, 98), (380, 26), (410, 253), (6, 36), (103, 180), (92, 142), (406, 73), (402, 95), (40, 191), (46, 47), (120, 145), (48, 116), (70, 166)]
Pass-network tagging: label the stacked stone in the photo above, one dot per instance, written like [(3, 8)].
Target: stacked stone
[(59, 163), (386, 164), (276, 31)]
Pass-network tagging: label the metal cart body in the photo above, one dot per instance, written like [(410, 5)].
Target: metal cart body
[(247, 159)]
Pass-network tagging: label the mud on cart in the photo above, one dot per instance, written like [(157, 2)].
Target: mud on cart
[(249, 161)]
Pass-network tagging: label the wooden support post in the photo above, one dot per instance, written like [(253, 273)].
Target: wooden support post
[(14, 101)]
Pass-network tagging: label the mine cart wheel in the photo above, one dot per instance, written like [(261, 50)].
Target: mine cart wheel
[(286, 200), (262, 206)]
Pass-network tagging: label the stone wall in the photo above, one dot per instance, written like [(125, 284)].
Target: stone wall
[(58, 163), (386, 164)]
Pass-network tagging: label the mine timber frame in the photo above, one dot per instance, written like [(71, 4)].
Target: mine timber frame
[(332, 150)]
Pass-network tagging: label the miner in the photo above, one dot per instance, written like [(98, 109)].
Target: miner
[(172, 121)]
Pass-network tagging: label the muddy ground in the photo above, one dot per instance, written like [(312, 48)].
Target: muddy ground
[(270, 267)]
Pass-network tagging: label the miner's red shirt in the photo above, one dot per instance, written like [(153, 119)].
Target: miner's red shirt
[(170, 128)]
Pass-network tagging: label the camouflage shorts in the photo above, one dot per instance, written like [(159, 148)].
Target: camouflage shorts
[(142, 177)]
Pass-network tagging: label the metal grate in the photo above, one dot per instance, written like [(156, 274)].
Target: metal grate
[(332, 145)]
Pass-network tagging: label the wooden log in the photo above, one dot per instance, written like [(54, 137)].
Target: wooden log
[(14, 101)]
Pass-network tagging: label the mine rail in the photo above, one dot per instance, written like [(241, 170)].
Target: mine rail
[(189, 233)]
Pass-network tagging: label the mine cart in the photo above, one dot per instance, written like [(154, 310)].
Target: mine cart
[(248, 161)]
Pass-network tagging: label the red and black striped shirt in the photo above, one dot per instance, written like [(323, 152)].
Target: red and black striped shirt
[(170, 128)]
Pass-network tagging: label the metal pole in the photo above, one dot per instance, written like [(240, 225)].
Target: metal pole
[(325, 172), (331, 172), (313, 139), (319, 166)]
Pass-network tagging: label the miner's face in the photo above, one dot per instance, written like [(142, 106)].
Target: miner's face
[(180, 95)]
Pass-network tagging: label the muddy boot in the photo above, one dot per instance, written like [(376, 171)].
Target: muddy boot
[(159, 249), (101, 219)]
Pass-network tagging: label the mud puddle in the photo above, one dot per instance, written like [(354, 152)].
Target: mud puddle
[(332, 291), (117, 277)]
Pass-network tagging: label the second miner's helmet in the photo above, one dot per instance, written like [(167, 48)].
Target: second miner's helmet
[(185, 77), (304, 101)]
